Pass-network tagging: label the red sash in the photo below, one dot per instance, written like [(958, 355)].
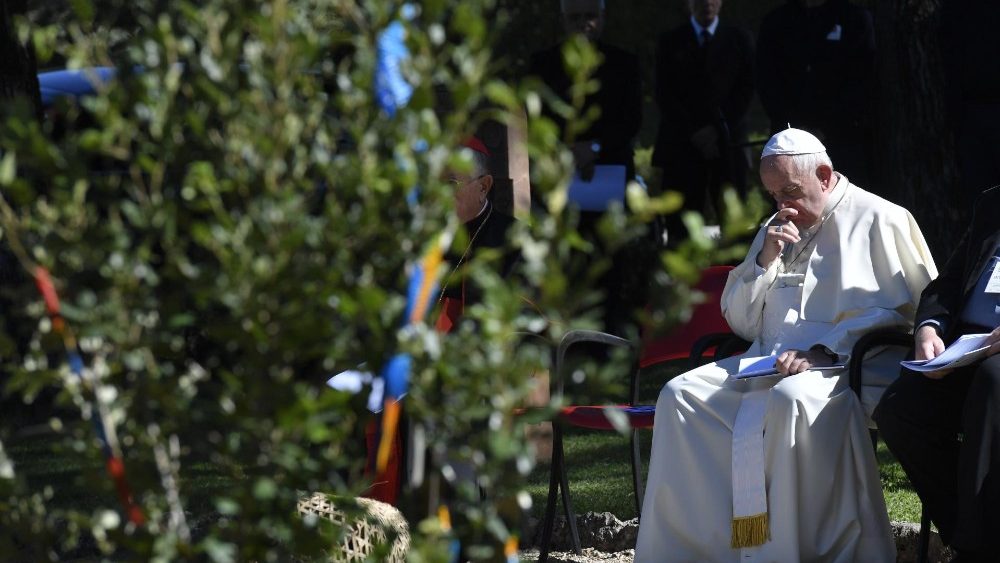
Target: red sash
[(386, 485), (451, 312)]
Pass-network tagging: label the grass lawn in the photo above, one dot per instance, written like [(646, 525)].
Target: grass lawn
[(600, 475), (49, 466)]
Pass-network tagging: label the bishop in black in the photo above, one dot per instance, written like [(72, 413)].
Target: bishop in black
[(945, 428)]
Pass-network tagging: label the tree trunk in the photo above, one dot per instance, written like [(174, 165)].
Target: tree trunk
[(915, 138), (18, 69)]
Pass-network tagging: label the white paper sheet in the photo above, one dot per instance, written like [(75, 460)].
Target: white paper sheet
[(968, 349)]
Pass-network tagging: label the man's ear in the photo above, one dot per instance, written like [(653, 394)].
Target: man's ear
[(486, 183), (825, 173)]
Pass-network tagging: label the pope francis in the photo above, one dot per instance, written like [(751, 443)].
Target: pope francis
[(781, 468)]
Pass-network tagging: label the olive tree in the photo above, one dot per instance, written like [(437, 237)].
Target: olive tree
[(234, 217)]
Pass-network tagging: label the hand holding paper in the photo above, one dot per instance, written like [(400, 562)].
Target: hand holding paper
[(968, 349)]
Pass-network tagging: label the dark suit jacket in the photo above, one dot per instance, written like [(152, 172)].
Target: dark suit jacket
[(816, 67), (944, 297), (619, 99), (698, 86)]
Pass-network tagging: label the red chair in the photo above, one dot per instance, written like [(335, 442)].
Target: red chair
[(705, 332), (706, 329)]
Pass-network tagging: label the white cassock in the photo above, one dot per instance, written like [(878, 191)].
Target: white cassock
[(862, 268)]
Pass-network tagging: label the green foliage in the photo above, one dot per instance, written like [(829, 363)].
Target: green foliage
[(228, 222)]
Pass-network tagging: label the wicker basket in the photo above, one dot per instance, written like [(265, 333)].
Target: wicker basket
[(362, 535)]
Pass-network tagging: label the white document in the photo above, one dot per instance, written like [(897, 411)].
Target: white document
[(993, 286), (607, 185), (763, 366), (968, 349)]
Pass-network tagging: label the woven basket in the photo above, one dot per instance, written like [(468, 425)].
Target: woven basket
[(364, 533)]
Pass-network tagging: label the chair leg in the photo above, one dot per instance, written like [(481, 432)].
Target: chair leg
[(637, 485), (555, 470), (924, 540), (567, 503)]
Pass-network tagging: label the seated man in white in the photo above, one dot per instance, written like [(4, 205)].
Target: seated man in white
[(781, 468)]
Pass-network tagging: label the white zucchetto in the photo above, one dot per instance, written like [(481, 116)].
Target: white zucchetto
[(793, 141)]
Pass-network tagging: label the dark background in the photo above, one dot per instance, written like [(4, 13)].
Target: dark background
[(914, 142), (914, 136)]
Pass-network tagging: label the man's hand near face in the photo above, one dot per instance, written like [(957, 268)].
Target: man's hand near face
[(780, 231)]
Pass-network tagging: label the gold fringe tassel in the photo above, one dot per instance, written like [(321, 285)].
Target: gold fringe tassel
[(750, 531)]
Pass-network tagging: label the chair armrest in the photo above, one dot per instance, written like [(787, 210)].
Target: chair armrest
[(881, 337), (575, 337), (726, 343)]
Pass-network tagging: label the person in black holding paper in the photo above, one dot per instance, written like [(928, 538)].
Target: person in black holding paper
[(920, 418), (609, 138)]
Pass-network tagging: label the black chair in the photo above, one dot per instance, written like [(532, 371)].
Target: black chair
[(595, 417), (867, 343), (588, 416)]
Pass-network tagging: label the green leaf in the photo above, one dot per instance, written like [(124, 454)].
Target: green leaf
[(8, 166), (265, 489)]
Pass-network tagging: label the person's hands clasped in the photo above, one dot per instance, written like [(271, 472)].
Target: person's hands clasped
[(791, 362), (780, 231)]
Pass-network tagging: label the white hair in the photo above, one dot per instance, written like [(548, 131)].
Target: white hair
[(480, 164), (563, 3), (808, 163)]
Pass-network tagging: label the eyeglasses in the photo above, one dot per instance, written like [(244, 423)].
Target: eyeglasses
[(458, 182), (791, 192)]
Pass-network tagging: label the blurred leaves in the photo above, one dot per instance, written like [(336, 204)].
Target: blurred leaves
[(230, 220)]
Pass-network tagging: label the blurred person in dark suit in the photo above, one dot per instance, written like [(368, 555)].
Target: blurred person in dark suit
[(609, 138), (816, 71), (971, 49), (704, 85)]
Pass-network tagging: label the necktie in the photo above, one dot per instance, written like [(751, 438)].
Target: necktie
[(706, 37)]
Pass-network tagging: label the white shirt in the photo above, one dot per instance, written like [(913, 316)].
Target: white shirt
[(698, 29)]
